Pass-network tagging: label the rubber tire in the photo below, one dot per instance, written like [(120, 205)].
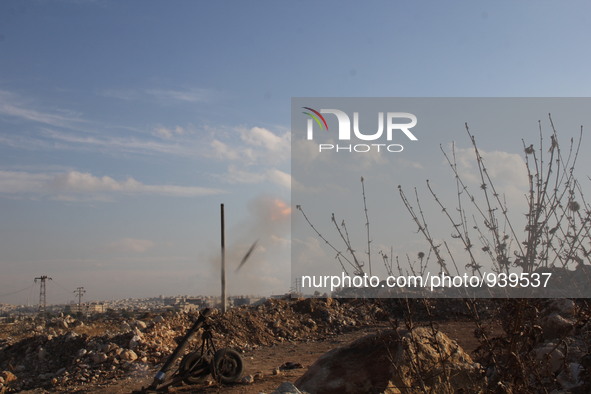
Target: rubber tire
[(195, 367), (227, 366)]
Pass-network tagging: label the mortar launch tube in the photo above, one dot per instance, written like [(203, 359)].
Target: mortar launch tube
[(180, 350)]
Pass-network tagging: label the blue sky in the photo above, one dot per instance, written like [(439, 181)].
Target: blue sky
[(124, 125)]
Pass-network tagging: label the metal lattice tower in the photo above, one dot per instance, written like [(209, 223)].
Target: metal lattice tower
[(80, 291), (42, 293)]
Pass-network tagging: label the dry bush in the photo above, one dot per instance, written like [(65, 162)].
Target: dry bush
[(555, 238)]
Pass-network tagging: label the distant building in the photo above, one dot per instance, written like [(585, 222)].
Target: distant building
[(172, 301), (96, 307), (85, 309), (239, 301), (280, 296), (185, 303)]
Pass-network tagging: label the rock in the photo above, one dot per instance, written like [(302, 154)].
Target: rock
[(287, 388), (388, 361), (246, 328), (71, 335), (556, 326), (61, 323), (8, 376), (258, 376), (310, 323), (569, 378), (276, 371), (99, 358), (562, 306), (137, 332), (128, 355), (247, 379), (134, 341), (549, 357), (290, 365)]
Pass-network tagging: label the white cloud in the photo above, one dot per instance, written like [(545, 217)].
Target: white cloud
[(168, 133), (254, 156), (11, 105), (190, 95), (66, 185), (223, 151), (279, 178), (258, 136), (410, 164), (130, 145), (256, 145), (507, 171), (131, 245), (275, 176), (163, 96), (237, 175), (22, 182), (260, 147)]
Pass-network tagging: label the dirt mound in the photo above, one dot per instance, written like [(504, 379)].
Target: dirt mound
[(306, 319), (62, 359), (421, 360)]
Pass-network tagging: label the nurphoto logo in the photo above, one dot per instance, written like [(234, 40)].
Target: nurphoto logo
[(396, 122)]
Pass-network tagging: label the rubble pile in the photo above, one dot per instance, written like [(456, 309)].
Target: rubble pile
[(563, 348), (394, 361), (66, 354), (58, 356), (306, 319), (546, 347)]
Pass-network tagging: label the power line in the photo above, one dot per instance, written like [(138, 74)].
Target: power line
[(17, 291), (64, 288)]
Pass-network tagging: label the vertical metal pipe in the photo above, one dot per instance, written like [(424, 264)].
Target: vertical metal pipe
[(223, 261)]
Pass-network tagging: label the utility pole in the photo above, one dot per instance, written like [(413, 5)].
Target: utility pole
[(42, 293), (80, 291), (223, 260)]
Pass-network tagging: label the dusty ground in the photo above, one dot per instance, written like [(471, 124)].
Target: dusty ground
[(94, 357), (66, 355), (266, 359)]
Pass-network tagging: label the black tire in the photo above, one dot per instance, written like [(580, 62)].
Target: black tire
[(227, 366), (194, 368)]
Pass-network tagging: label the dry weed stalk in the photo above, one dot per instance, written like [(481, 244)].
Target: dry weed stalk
[(558, 217), (349, 257), (555, 237)]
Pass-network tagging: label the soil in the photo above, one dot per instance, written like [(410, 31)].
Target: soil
[(119, 355), (267, 358)]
